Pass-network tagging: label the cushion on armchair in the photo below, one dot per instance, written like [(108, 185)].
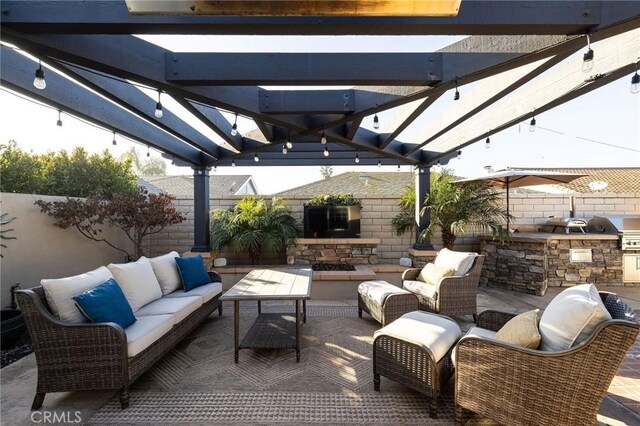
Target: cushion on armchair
[(521, 330), (460, 262), (571, 317), (137, 281), (432, 273)]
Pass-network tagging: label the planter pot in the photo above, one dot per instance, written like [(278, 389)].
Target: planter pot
[(12, 327)]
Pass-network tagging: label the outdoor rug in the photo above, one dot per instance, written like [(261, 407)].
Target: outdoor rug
[(199, 383)]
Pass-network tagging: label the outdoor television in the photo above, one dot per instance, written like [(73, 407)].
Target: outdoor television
[(332, 221)]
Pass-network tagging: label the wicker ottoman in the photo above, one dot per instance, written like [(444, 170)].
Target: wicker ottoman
[(385, 302), (415, 350)]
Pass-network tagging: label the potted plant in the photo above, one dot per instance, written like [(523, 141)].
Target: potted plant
[(456, 208), (254, 225)]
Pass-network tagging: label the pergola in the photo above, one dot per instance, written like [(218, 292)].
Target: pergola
[(517, 53)]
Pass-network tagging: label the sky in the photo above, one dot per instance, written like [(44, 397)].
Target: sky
[(580, 133)]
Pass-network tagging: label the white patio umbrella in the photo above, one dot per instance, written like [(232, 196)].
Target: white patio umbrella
[(505, 179)]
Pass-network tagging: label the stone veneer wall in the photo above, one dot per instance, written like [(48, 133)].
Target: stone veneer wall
[(533, 266), (530, 210), (306, 253)]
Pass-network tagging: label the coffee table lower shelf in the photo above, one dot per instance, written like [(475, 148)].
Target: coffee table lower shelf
[(271, 331)]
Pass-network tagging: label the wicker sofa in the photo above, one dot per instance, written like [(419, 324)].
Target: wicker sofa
[(518, 386), (452, 296), (97, 356)]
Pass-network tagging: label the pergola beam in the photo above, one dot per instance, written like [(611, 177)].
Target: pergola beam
[(213, 119), (61, 93), (386, 139), (475, 17), (307, 101)]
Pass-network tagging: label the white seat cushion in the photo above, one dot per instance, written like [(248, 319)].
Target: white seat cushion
[(179, 307), (477, 332), (571, 317), (207, 292), (166, 271), (137, 281), (379, 290), (433, 332), (459, 261), (59, 292), (421, 288), (146, 330)]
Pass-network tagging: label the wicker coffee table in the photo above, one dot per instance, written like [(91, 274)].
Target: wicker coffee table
[(271, 331)]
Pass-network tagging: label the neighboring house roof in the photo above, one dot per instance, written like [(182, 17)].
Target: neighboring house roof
[(618, 179), (360, 184), (182, 186)]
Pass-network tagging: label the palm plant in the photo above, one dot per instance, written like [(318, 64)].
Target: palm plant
[(405, 221), (254, 225), (455, 208)]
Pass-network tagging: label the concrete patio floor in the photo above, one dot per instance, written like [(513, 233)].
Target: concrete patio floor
[(621, 406)]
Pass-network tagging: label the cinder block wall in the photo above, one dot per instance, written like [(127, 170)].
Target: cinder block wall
[(531, 211)]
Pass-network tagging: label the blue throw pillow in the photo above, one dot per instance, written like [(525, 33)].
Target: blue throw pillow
[(620, 310), (106, 303), (192, 272)]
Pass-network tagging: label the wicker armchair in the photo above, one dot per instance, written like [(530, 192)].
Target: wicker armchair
[(517, 386), (93, 356), (452, 296)]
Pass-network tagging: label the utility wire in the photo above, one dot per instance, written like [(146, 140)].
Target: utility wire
[(588, 139)]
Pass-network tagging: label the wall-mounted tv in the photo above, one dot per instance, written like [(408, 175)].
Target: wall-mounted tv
[(332, 221)]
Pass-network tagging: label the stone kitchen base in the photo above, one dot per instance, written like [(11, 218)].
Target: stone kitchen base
[(354, 251)]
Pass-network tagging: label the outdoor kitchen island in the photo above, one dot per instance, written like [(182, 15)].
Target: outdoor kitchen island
[(531, 262)]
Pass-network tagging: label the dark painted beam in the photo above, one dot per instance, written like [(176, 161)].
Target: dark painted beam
[(596, 82), (352, 128), (307, 101), (61, 93), (251, 69), (138, 103), (214, 120), (386, 139), (491, 17), (491, 100), (266, 129)]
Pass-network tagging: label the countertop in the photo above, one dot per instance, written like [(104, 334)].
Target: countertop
[(546, 236)]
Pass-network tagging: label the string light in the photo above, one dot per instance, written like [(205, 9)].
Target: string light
[(284, 149), (59, 122), (215, 168), (357, 159), (173, 161), (234, 128), (158, 112), (532, 124), (376, 121), (148, 151), (438, 164), (256, 158), (379, 163), (233, 163), (289, 144), (635, 81), (114, 142), (326, 151), (39, 82), (323, 139), (459, 156), (398, 167), (487, 143), (587, 59), (456, 95)]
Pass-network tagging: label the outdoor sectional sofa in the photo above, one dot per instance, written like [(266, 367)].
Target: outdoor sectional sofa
[(73, 354)]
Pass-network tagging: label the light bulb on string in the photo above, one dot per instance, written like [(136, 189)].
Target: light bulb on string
[(459, 156), (323, 139), (456, 95), (357, 159), (256, 158), (587, 58), (284, 149), (158, 112), (114, 142), (326, 151), (532, 124), (398, 167), (289, 144), (173, 161), (379, 163), (39, 82), (59, 122), (376, 121), (233, 163), (487, 143), (234, 128), (215, 168), (635, 81), (148, 152)]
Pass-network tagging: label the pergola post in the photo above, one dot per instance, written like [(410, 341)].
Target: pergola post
[(200, 209), (423, 182)]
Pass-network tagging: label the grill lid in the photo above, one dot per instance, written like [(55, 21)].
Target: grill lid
[(614, 224)]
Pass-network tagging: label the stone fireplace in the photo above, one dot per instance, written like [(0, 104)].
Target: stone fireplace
[(354, 251)]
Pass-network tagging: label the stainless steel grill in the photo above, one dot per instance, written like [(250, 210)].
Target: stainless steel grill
[(567, 223), (628, 230)]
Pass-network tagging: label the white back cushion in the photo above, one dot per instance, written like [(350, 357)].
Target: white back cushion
[(59, 292), (459, 261), (571, 317), (166, 271), (137, 281)]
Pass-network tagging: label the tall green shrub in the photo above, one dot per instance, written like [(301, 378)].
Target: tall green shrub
[(75, 174)]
